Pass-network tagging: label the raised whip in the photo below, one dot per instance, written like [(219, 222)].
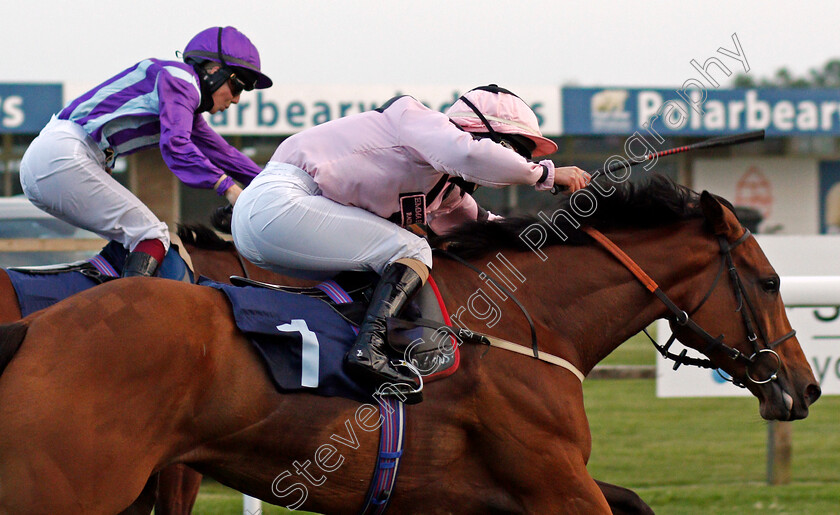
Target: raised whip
[(722, 141)]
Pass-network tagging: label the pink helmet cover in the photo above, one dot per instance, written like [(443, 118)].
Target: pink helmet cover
[(506, 113)]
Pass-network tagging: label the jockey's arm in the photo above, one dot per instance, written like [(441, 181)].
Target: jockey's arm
[(570, 178), (225, 156), (232, 193), (454, 152), (192, 150)]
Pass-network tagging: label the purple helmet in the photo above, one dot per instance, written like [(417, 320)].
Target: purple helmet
[(233, 50)]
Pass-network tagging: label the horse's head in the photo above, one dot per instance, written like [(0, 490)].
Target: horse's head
[(744, 312)]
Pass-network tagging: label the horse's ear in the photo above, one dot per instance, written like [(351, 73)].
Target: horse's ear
[(716, 214)]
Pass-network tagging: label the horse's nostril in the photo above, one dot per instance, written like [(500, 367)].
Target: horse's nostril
[(812, 393)]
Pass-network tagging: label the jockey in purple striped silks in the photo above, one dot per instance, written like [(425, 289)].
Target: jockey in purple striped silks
[(155, 103), (340, 195)]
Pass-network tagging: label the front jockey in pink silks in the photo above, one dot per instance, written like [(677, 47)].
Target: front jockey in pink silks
[(155, 103), (337, 197)]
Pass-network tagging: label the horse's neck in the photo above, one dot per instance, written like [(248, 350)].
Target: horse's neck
[(583, 302), (682, 259)]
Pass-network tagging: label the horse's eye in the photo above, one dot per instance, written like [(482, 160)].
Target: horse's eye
[(770, 284)]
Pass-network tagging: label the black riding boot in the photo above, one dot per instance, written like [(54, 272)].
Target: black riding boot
[(369, 356), (139, 264)]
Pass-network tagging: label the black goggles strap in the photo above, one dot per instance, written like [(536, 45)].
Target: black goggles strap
[(493, 134), (219, 48)]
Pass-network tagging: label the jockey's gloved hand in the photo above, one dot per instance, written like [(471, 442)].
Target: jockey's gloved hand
[(220, 220), (566, 179)]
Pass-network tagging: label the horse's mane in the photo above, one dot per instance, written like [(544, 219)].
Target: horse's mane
[(203, 237), (654, 202)]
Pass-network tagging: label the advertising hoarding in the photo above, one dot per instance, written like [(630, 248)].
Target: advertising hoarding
[(700, 112), (26, 108)]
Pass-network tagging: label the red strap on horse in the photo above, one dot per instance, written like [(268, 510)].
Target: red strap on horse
[(619, 254)]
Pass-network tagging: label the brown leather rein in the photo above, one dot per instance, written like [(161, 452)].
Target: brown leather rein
[(682, 318), (678, 316)]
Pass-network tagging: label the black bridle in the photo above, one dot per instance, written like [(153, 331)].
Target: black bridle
[(682, 318)]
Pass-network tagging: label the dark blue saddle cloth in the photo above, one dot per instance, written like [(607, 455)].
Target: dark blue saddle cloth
[(301, 339), (39, 289)]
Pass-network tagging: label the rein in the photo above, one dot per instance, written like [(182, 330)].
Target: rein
[(682, 318), (677, 316), (493, 341)]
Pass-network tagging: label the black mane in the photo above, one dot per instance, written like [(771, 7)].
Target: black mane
[(655, 202), (202, 237)]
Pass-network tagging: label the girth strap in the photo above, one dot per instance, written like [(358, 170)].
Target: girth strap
[(391, 441), (534, 346), (493, 341)]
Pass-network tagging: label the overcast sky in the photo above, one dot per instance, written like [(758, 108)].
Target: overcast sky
[(453, 42)]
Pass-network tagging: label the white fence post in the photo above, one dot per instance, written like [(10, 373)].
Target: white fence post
[(251, 506)]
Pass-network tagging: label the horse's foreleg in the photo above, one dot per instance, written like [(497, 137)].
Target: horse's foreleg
[(547, 479), (179, 486), (623, 501), (146, 501), (574, 492)]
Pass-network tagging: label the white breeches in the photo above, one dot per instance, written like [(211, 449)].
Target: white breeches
[(63, 172), (282, 222)]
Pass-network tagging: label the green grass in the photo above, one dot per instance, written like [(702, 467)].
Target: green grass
[(215, 499), (708, 455), (683, 456), (636, 351)]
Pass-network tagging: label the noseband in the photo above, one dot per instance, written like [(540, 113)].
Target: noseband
[(682, 318)]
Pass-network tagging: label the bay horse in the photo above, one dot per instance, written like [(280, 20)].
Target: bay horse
[(176, 489), (212, 257), (218, 259), (106, 387)]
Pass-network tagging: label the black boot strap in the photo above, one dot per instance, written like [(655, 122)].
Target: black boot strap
[(139, 264)]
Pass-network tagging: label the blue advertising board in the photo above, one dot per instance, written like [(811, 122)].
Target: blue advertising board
[(26, 108), (700, 112)]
